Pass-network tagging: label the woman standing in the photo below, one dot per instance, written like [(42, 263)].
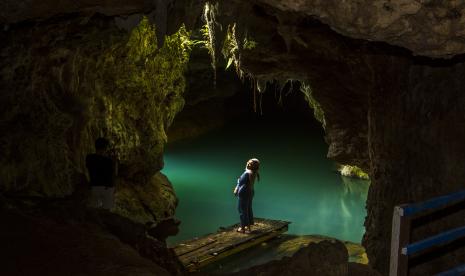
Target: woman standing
[(245, 191)]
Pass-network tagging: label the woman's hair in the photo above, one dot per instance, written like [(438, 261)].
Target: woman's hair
[(253, 165)]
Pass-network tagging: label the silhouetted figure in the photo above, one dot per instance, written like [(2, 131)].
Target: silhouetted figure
[(102, 172), (245, 192)]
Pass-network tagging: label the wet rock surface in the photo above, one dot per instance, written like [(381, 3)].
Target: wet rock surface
[(278, 248), (327, 257)]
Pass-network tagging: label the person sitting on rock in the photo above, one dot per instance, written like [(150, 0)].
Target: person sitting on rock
[(245, 191), (102, 173)]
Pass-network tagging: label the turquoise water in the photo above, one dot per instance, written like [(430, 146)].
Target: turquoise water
[(298, 183)]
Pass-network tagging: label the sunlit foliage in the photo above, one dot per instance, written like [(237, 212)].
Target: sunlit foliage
[(353, 171), (208, 31), (149, 83), (317, 110), (91, 80)]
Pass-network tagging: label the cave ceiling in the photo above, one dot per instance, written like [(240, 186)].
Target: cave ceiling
[(425, 27)]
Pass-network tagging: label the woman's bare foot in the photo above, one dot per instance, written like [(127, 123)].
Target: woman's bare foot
[(240, 230), (247, 229)]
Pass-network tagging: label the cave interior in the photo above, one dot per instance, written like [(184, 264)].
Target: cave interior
[(385, 80)]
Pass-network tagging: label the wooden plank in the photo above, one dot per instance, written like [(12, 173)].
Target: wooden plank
[(233, 250), (400, 237), (201, 251), (188, 247), (224, 245), (229, 237)]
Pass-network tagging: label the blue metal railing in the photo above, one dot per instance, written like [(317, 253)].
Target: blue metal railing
[(437, 240), (434, 203), (401, 248)]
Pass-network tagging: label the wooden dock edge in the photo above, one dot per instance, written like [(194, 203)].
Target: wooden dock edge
[(191, 267)]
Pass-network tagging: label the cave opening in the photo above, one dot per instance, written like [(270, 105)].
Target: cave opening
[(298, 182)]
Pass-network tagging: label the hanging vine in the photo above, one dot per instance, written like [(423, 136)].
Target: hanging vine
[(208, 31), (317, 110)]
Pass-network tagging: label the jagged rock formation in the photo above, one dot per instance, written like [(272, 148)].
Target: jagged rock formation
[(429, 28)]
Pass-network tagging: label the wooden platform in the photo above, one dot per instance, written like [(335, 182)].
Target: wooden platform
[(201, 251)]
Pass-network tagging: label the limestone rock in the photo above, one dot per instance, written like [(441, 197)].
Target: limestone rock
[(66, 82), (13, 11), (164, 228), (429, 28), (148, 202)]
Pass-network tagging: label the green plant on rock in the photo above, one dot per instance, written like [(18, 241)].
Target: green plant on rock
[(232, 46), (149, 84), (206, 39), (97, 81), (249, 44), (317, 110), (353, 171), (208, 31)]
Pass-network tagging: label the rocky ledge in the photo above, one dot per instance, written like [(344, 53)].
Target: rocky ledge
[(63, 237)]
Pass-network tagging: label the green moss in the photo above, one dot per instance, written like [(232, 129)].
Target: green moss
[(91, 80), (232, 46), (353, 171), (249, 43), (149, 86), (317, 110), (209, 34)]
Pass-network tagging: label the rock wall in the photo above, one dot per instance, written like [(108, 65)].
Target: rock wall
[(392, 114), (431, 28), (71, 79), (416, 129)]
